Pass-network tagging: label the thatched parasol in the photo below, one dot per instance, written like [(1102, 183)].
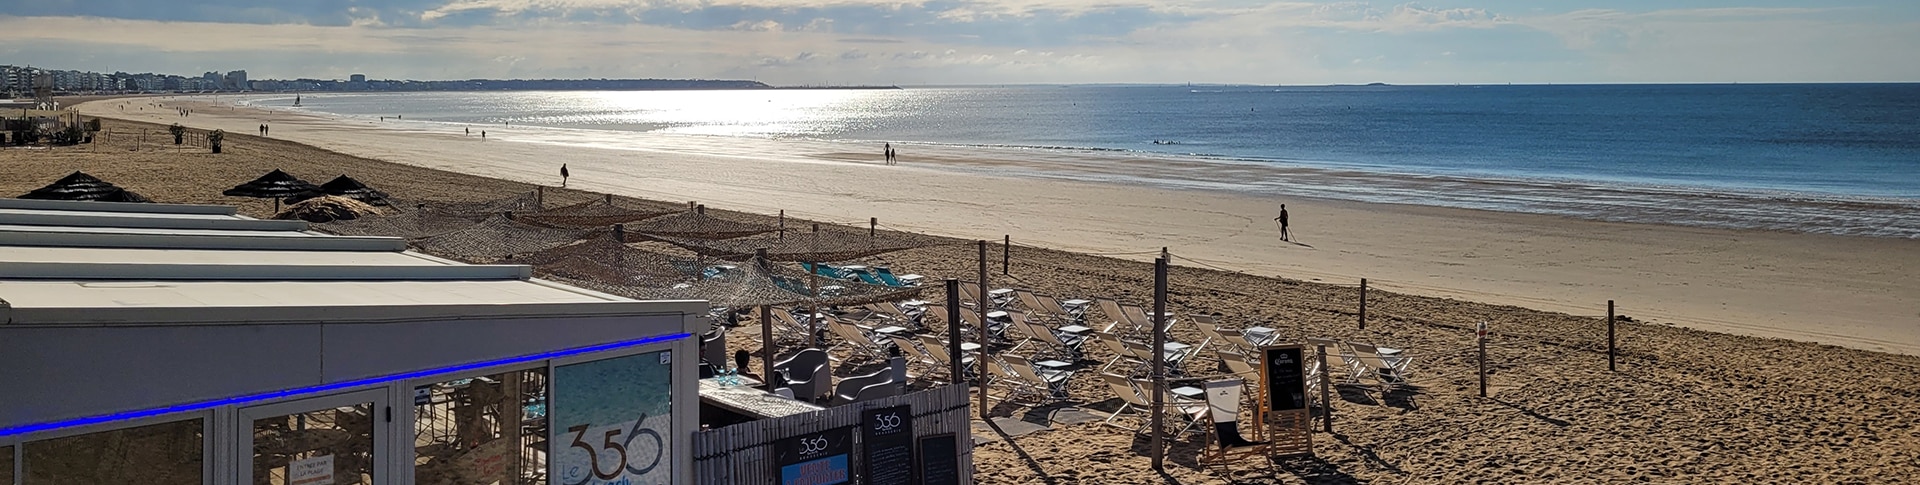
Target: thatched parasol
[(80, 186), (274, 185), (344, 186), (327, 208)]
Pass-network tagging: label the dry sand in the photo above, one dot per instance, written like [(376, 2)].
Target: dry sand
[(1850, 291), (1686, 406)]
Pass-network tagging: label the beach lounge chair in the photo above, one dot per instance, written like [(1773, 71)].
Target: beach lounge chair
[(1173, 358), (886, 276), (807, 373), (1133, 397), (1342, 366), (1225, 443), (1121, 354), (855, 389), (1389, 371), (1059, 344), (787, 328), (857, 338), (937, 349), (920, 365), (1047, 384), (862, 274)]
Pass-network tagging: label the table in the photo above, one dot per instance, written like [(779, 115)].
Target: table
[(1075, 304), (1175, 346), (891, 330), (1000, 293), (1053, 364), (748, 400), (1188, 392), (1075, 329)]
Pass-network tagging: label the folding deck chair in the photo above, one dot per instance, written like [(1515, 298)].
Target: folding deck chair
[(1224, 441)]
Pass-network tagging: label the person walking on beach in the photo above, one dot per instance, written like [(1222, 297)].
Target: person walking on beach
[(563, 175), (483, 134), (1284, 235), (889, 153), (469, 131)]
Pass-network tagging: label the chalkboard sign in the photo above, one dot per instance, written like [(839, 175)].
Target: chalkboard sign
[(816, 458), (1286, 381), (887, 437), (939, 460)]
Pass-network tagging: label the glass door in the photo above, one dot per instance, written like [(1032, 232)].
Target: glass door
[(331, 440)]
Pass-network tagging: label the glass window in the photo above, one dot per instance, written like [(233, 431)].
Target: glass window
[(160, 454), (612, 419), (301, 448), (481, 431), (6, 465)]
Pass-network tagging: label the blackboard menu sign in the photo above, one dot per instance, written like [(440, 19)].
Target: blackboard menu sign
[(887, 437), (939, 460), (1286, 379), (815, 458)]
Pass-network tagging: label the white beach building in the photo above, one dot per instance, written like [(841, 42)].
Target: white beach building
[(175, 344)]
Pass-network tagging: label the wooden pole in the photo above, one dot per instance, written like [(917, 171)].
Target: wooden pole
[(1363, 303), (540, 196), (766, 346), (1610, 343), (1159, 360), (981, 306), (1481, 335), (766, 329), (873, 226), (1326, 391), (1006, 254), (783, 225), (813, 305), (953, 331)]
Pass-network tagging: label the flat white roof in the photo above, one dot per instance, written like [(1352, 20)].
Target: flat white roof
[(119, 267), (33, 254)]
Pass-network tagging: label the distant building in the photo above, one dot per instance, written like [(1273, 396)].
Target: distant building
[(359, 78), (236, 81)]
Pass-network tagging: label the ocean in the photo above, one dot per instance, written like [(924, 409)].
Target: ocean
[(1819, 158)]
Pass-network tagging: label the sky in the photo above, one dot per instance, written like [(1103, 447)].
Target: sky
[(906, 42)]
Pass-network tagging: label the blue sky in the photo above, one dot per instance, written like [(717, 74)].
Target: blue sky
[(982, 41)]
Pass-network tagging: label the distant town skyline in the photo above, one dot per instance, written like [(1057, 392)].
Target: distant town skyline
[(810, 42)]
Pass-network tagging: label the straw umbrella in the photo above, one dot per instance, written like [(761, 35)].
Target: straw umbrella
[(274, 185), (344, 186), (80, 186)]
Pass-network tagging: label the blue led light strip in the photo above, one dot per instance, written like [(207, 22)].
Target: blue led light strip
[(204, 405)]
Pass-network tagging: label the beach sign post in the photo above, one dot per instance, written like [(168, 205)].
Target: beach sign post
[(1159, 358), (1610, 344), (1289, 420)]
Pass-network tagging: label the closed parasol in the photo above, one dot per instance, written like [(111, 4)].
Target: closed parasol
[(274, 185)]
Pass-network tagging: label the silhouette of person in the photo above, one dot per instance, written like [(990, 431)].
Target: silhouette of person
[(483, 134), (889, 153), (563, 175), (740, 360), (469, 130), (1284, 234)]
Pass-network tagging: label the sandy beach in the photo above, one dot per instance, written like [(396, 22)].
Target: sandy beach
[(1850, 291), (1685, 406)]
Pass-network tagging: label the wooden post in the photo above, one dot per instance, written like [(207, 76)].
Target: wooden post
[(1159, 360), (609, 199), (813, 305), (1363, 303), (1006, 253), (981, 306), (1326, 391), (1610, 344), (620, 232), (873, 226), (1481, 336), (540, 196), (783, 225), (953, 331), (766, 345)]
